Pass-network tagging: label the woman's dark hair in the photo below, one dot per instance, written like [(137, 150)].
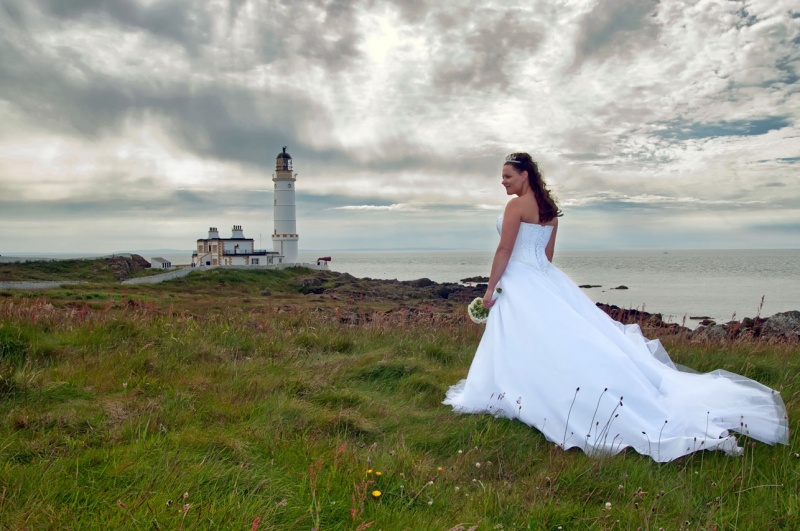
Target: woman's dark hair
[(548, 209)]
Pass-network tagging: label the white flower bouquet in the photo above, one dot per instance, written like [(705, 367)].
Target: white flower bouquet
[(477, 312)]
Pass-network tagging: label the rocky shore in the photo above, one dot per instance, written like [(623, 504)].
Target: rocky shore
[(343, 287)]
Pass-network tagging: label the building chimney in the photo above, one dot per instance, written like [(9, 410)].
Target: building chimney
[(213, 233), (237, 232)]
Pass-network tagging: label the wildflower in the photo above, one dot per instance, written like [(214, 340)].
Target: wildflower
[(430, 482), (124, 385), (608, 506), (461, 452), (440, 469), (430, 502), (186, 507), (185, 495), (369, 471), (376, 494), (621, 488), (378, 474), (169, 503), (477, 465), (457, 488)]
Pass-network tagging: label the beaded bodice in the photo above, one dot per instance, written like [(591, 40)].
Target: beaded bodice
[(532, 239)]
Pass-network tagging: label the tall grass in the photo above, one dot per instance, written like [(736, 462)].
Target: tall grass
[(181, 407)]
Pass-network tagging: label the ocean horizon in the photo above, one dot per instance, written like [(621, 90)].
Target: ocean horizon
[(721, 284)]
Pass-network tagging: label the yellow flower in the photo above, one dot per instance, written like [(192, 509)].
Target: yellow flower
[(440, 469), (376, 494), (378, 474), (369, 471)]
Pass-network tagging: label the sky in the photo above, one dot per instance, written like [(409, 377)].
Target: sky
[(139, 124)]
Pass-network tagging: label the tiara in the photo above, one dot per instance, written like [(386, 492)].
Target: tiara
[(513, 158)]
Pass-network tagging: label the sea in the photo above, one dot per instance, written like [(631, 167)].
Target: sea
[(679, 284)]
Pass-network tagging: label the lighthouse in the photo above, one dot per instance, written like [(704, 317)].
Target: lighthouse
[(284, 232)]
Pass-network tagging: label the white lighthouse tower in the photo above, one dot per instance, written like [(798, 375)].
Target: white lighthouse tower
[(284, 233)]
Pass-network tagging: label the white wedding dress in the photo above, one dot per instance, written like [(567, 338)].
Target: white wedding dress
[(550, 358)]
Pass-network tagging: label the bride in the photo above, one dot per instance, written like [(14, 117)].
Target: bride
[(550, 358)]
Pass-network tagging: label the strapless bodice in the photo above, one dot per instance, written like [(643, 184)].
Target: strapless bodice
[(532, 240)]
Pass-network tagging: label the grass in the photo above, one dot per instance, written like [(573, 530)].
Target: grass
[(82, 269), (200, 403)]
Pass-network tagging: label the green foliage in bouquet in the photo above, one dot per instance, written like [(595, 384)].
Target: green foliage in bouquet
[(477, 311)]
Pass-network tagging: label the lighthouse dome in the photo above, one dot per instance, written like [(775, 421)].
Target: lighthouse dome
[(283, 161)]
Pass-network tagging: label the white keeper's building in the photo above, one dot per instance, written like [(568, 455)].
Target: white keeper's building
[(236, 250)]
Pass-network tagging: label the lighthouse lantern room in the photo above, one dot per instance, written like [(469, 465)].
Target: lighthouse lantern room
[(284, 235)]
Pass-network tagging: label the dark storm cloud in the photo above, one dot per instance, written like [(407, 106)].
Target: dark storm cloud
[(299, 34), (216, 119), (414, 10), (176, 20), (176, 204), (483, 58), (616, 28), (15, 11)]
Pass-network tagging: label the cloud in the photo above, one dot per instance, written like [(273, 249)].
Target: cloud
[(375, 208), (616, 28), (395, 112)]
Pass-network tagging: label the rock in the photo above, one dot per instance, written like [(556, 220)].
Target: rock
[(442, 292), (708, 322), (308, 281), (591, 286), (267, 292), (126, 265), (421, 282), (748, 322), (699, 318), (714, 333), (475, 279), (785, 324), (621, 287)]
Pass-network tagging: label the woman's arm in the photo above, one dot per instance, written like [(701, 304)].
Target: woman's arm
[(551, 245), (508, 235)]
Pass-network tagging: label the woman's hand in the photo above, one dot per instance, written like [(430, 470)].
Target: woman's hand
[(488, 301)]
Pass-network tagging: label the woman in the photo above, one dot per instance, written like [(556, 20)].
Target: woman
[(555, 361)]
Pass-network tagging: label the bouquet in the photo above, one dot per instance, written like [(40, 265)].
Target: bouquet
[(477, 311)]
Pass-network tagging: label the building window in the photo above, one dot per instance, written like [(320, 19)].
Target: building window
[(254, 261), (214, 261)]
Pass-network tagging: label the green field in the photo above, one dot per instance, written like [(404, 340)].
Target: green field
[(232, 400)]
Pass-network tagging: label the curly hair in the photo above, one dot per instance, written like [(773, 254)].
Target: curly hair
[(548, 209)]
